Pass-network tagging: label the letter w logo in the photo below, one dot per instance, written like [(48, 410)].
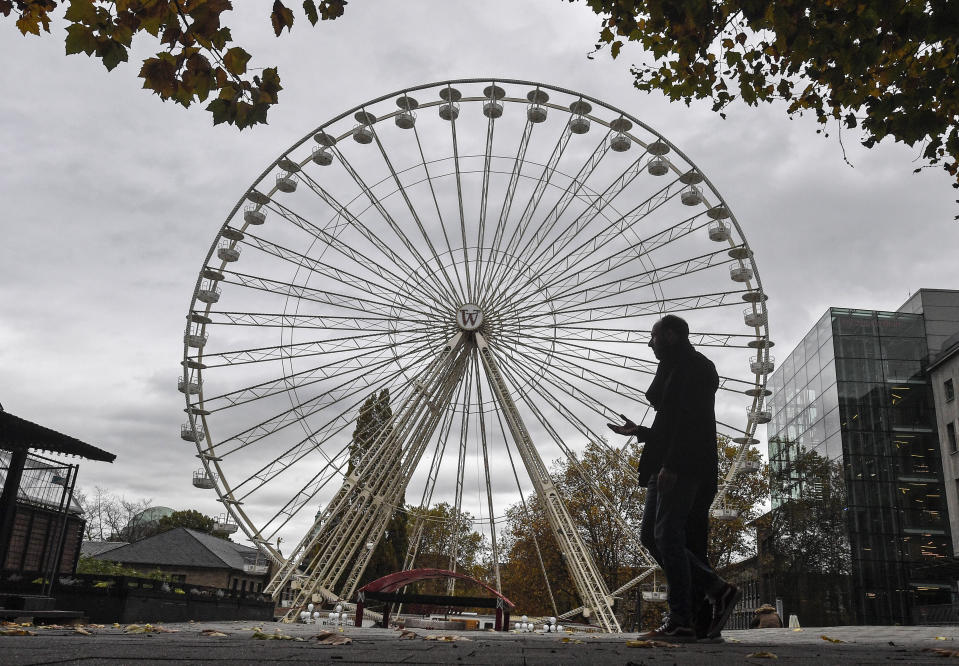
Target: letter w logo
[(469, 318)]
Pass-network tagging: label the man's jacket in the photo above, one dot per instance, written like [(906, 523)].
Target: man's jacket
[(683, 435)]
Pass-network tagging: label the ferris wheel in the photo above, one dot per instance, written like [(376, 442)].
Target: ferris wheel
[(493, 253)]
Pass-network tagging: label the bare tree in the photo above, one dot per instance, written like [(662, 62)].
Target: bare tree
[(110, 517)]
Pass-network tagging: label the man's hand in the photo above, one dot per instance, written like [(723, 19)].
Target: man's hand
[(665, 481), (629, 429)]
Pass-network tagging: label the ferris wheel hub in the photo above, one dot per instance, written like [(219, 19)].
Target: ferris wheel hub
[(469, 317)]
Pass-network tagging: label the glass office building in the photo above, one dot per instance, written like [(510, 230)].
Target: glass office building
[(853, 443)]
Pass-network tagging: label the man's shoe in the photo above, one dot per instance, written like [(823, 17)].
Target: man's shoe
[(723, 608), (670, 631)]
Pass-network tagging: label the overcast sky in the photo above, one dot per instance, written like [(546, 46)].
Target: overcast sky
[(110, 200)]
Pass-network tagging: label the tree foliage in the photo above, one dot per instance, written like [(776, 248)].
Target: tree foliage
[(197, 56), (613, 548), (189, 518), (888, 69), (372, 422), (807, 531), (445, 534)]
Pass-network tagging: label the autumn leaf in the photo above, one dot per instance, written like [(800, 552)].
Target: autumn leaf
[(235, 60), (309, 7), (80, 39), (281, 17)]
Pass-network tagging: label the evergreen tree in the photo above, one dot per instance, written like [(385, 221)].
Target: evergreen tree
[(372, 424)]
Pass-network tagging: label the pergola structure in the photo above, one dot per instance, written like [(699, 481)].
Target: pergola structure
[(20, 436)]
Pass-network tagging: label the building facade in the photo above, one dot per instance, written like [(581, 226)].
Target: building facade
[(858, 490), (944, 372)]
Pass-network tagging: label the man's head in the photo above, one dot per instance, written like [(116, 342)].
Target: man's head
[(668, 334)]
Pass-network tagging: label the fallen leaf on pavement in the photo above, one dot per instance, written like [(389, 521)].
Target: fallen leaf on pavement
[(136, 629), (81, 630), (830, 639), (212, 632), (334, 639), (797, 629), (408, 635), (275, 636), (17, 631), (761, 655), (650, 644), (942, 652), (96, 626), (567, 639), (941, 638)]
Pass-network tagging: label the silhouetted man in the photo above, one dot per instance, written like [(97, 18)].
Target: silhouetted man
[(679, 466)]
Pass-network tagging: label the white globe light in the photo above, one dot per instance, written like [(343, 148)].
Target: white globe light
[(309, 607), (524, 618), (552, 620), (559, 627)]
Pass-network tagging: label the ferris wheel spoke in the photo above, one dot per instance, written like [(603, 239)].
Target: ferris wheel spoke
[(322, 347), (484, 201), (284, 419), (336, 275), (591, 435), (452, 293), (598, 355), (575, 275), (429, 487), (568, 267), (486, 469), (306, 322), (596, 204), (397, 230), (333, 241), (372, 237), (635, 336), (461, 291), (526, 512), (545, 177), (501, 221), (571, 192), (655, 307), (643, 279), (340, 369), (313, 294), (462, 212), (467, 384), (553, 272), (560, 375), (332, 470)]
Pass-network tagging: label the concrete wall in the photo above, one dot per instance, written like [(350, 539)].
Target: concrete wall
[(948, 412)]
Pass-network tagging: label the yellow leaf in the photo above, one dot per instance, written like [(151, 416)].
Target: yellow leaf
[(831, 640), (761, 655)]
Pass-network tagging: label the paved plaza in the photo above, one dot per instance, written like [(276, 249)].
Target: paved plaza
[(245, 643)]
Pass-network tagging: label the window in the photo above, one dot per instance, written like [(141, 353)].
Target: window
[(950, 390), (951, 436)]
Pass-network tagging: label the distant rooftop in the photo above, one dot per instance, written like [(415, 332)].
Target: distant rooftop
[(183, 547), (94, 548)]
